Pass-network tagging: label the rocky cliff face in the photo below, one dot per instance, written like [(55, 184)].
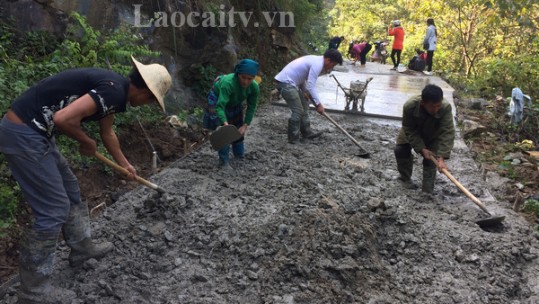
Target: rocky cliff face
[(191, 35)]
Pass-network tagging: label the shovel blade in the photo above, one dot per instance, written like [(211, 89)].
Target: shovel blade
[(224, 135), (490, 221), (364, 154)]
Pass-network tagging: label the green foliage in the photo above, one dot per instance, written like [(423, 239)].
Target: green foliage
[(484, 47), (532, 205), (9, 197), (315, 32), (191, 117), (87, 47), (509, 170), (205, 75)]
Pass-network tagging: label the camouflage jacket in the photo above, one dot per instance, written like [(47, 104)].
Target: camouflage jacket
[(422, 130)]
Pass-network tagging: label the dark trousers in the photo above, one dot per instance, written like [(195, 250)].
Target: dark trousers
[(363, 54), (404, 151), (47, 183), (430, 54), (398, 59)]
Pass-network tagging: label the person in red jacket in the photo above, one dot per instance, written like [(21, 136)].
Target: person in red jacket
[(396, 30)]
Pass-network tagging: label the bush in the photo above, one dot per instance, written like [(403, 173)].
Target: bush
[(532, 205)]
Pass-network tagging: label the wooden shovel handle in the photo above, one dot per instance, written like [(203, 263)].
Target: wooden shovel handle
[(345, 132), (461, 187), (124, 171)]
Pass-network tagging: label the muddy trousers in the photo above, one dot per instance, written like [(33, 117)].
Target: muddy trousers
[(52, 191), (405, 165), (238, 149), (299, 122)]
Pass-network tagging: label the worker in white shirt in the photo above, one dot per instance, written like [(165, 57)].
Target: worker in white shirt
[(297, 84)]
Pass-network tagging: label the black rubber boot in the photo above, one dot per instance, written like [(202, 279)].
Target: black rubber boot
[(307, 132), (429, 176), (405, 167), (293, 131), (36, 267), (77, 235)]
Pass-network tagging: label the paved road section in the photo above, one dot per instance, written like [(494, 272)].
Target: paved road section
[(386, 93)]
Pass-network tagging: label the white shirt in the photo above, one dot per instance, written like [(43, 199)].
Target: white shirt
[(302, 73)]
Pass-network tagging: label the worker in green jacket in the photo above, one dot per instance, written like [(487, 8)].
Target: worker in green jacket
[(428, 128), (225, 105)]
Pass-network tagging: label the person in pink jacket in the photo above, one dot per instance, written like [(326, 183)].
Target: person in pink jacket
[(396, 30), (360, 51)]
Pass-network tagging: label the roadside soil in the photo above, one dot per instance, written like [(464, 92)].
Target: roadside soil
[(304, 223), (497, 156)]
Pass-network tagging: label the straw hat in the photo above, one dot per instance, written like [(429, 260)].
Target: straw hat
[(156, 78)]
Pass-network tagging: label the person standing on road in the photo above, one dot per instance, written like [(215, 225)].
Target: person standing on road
[(335, 42), (429, 44), (428, 128), (396, 30), (297, 84), (63, 102), (225, 105)]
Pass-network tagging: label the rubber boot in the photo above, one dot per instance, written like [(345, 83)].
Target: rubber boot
[(293, 131), (238, 149), (405, 166), (224, 156), (37, 251), (308, 133), (77, 234), (429, 175)]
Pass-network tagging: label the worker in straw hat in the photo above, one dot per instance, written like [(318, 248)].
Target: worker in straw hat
[(62, 102)]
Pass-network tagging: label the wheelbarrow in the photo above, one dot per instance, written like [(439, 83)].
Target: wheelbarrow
[(356, 92)]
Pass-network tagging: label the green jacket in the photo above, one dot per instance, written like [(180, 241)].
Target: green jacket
[(232, 94), (421, 130)]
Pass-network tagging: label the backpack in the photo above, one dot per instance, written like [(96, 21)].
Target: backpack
[(417, 64)]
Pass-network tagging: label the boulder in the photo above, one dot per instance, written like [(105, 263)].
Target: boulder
[(471, 128)]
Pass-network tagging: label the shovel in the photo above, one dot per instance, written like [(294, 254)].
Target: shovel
[(122, 170), (224, 135), (363, 153), (490, 221)]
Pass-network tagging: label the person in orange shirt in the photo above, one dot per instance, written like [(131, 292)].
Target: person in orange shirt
[(396, 30)]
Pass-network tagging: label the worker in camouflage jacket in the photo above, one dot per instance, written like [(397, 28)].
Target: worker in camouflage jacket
[(428, 129)]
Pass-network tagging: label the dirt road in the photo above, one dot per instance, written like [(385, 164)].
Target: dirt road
[(306, 223)]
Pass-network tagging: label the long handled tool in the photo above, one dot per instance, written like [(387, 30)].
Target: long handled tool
[(122, 170), (363, 153), (492, 220)]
